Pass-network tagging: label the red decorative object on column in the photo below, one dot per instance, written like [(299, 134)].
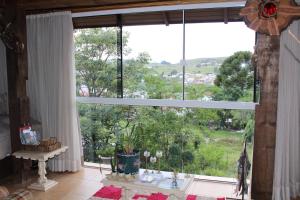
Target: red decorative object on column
[(268, 9), (269, 16)]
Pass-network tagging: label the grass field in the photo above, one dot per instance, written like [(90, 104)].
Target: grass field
[(198, 65), (167, 69), (218, 153)]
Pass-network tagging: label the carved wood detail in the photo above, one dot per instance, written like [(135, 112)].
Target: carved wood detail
[(7, 33), (269, 16)]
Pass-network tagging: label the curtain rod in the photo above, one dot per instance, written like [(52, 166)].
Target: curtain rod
[(160, 8)]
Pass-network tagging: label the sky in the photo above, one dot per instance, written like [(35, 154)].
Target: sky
[(205, 40)]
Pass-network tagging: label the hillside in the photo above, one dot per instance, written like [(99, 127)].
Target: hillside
[(198, 65)]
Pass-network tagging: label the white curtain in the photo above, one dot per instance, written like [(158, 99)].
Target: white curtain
[(286, 181), (51, 83)]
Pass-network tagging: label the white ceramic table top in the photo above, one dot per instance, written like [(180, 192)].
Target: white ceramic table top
[(161, 183), (35, 155)]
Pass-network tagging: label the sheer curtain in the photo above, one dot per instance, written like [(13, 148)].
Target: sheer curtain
[(51, 83), (286, 181)]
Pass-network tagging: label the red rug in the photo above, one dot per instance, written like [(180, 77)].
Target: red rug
[(109, 192), (115, 193)]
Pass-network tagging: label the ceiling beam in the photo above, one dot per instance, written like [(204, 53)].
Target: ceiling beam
[(92, 5), (166, 18), (226, 15)]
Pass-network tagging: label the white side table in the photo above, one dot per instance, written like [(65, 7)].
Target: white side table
[(43, 183)]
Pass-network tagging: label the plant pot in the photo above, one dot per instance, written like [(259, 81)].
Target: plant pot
[(128, 163), (105, 160)]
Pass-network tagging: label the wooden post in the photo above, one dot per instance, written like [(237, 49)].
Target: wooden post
[(17, 76), (266, 59)]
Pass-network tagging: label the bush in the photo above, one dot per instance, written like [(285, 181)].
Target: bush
[(211, 158), (175, 156), (214, 172), (249, 131), (187, 156), (106, 152)]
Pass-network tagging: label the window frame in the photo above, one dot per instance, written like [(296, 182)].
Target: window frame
[(120, 100)]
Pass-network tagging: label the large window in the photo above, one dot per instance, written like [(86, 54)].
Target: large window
[(152, 65), (96, 62), (183, 88), (218, 62)]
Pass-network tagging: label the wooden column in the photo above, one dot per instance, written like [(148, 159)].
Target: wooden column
[(17, 76), (266, 59)]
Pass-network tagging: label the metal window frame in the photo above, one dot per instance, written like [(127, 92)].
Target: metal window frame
[(228, 105), (120, 80), (161, 102)]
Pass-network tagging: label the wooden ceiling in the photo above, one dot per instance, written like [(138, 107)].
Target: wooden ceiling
[(168, 17), (89, 5)]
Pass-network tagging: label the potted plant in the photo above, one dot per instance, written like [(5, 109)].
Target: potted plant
[(128, 158)]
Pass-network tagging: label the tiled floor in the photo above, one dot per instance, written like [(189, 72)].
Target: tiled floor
[(83, 184)]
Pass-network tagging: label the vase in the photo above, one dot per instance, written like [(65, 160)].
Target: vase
[(128, 163)]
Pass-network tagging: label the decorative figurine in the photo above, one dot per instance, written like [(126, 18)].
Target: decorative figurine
[(153, 160), (147, 155), (174, 181), (159, 155), (243, 171)]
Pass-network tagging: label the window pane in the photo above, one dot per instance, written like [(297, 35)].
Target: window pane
[(96, 62), (152, 62), (205, 141), (218, 62)]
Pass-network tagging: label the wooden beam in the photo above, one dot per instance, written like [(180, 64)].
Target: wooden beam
[(92, 5), (266, 59), (226, 16), (166, 18)]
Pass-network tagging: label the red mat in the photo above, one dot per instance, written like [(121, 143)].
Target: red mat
[(115, 193), (109, 192)]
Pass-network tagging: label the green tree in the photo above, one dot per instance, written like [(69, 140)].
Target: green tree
[(235, 76), (96, 70), (95, 56), (196, 91), (135, 72)]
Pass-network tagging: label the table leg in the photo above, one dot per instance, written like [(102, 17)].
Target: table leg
[(42, 172), (43, 183), (126, 193)]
